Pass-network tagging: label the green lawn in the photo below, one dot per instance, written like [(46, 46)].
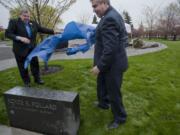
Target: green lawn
[(151, 93)]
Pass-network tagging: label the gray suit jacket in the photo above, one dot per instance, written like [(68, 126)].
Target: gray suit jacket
[(111, 39)]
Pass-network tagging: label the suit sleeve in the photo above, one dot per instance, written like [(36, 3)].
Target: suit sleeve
[(110, 38), (44, 30), (10, 31)]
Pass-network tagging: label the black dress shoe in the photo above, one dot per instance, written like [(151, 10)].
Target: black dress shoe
[(105, 107), (115, 124), (39, 81)]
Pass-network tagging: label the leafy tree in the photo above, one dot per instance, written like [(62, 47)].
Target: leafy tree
[(46, 18), (127, 17), (94, 20), (150, 17), (168, 20), (44, 12)]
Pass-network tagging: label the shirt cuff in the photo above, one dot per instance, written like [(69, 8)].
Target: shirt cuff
[(17, 38)]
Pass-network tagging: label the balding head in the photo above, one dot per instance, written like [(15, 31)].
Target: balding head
[(100, 7), (102, 1)]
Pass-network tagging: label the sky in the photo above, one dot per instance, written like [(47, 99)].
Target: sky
[(81, 8)]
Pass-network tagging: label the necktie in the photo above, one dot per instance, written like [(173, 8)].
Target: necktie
[(28, 29)]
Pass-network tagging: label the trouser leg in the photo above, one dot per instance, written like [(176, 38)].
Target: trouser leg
[(34, 64), (23, 72), (102, 94), (113, 84)]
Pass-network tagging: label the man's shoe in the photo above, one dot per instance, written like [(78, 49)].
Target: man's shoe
[(115, 124), (105, 107), (39, 81)]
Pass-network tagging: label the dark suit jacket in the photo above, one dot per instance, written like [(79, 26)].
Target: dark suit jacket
[(17, 27), (111, 39)]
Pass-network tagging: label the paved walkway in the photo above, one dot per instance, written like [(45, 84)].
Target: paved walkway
[(7, 58), (7, 61)]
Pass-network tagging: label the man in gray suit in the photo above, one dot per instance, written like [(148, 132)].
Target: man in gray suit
[(110, 60)]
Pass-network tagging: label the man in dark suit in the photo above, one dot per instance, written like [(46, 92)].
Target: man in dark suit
[(110, 60), (23, 32)]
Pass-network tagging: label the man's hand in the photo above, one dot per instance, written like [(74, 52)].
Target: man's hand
[(56, 32), (23, 39), (95, 70)]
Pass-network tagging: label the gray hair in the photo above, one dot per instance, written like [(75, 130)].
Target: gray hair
[(100, 1), (22, 11)]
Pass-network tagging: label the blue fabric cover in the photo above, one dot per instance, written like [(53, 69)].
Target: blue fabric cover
[(72, 31)]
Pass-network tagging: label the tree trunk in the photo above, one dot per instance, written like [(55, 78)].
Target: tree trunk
[(149, 36), (174, 37), (165, 37)]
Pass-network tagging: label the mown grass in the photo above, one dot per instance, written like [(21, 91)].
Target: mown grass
[(151, 93)]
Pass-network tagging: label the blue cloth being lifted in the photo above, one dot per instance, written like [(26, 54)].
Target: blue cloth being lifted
[(72, 31)]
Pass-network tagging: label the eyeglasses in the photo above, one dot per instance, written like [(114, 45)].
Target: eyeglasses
[(26, 16)]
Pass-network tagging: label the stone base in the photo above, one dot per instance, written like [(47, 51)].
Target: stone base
[(4, 130), (43, 111)]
